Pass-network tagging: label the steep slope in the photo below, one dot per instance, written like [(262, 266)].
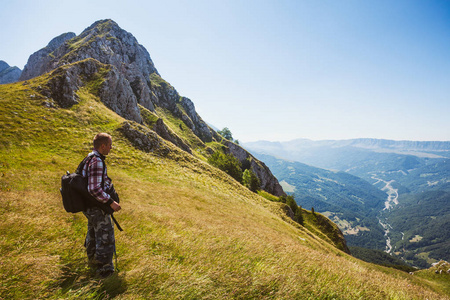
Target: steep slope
[(8, 74), (39, 62), (190, 231), (128, 83)]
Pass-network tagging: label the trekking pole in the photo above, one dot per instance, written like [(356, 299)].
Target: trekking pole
[(115, 222)]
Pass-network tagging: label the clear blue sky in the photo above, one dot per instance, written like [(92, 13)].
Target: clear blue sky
[(277, 70)]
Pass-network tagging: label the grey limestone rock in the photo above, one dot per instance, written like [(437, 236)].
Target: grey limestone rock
[(143, 138), (118, 95), (115, 92), (269, 182), (200, 128), (39, 62)]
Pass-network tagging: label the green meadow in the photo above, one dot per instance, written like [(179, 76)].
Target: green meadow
[(190, 230)]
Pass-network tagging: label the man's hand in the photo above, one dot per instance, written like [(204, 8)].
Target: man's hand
[(115, 206)]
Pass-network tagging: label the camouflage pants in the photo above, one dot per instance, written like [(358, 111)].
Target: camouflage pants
[(100, 241)]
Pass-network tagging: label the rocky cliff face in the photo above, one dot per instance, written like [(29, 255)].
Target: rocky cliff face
[(128, 79), (40, 61), (8, 74), (107, 43), (268, 182), (114, 91)]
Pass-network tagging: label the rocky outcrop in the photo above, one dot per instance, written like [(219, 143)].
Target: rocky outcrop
[(106, 42), (163, 131), (40, 61), (64, 83), (195, 122), (124, 77), (143, 138), (269, 182), (8, 74), (114, 91), (118, 95)]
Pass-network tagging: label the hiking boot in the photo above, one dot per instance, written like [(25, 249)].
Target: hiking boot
[(106, 273), (93, 263)]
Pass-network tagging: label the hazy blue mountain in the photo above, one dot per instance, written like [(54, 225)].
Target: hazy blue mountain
[(409, 163), (8, 74)]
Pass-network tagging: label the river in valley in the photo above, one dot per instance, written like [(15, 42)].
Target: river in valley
[(391, 201)]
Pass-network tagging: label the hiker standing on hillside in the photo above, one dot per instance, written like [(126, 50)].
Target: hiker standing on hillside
[(100, 241)]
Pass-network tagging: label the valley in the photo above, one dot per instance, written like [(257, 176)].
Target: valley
[(414, 178), (391, 201)]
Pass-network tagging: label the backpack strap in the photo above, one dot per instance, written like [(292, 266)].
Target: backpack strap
[(80, 167)]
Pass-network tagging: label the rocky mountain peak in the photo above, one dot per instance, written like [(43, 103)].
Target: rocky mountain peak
[(39, 62), (59, 40), (130, 82), (108, 43)]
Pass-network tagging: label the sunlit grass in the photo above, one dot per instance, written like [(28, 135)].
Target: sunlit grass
[(190, 230)]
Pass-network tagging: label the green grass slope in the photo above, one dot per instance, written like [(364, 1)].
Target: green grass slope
[(190, 231)]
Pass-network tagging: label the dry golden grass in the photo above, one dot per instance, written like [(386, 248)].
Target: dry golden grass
[(190, 231)]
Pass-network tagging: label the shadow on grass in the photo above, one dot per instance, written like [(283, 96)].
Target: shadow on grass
[(79, 281)]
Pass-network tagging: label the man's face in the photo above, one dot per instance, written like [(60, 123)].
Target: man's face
[(105, 148)]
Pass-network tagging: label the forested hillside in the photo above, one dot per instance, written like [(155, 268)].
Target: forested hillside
[(421, 222), (413, 176), (349, 201)]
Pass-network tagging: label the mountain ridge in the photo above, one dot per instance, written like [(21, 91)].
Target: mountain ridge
[(128, 82), (367, 143)]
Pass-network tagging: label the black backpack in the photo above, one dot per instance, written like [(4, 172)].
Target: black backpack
[(75, 194)]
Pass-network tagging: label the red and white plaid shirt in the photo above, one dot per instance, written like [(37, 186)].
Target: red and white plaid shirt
[(94, 172)]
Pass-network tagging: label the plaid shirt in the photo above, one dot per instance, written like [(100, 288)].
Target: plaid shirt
[(94, 172)]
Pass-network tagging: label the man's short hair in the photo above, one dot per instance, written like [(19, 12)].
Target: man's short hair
[(101, 139)]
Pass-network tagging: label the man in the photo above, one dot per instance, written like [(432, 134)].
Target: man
[(100, 241)]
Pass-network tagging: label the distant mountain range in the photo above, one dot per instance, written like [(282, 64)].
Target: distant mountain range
[(413, 176), (8, 74), (305, 150)]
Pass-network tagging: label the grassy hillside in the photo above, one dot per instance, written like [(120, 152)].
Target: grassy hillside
[(190, 231)]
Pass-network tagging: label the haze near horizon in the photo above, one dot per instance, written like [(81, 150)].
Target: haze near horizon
[(277, 70)]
